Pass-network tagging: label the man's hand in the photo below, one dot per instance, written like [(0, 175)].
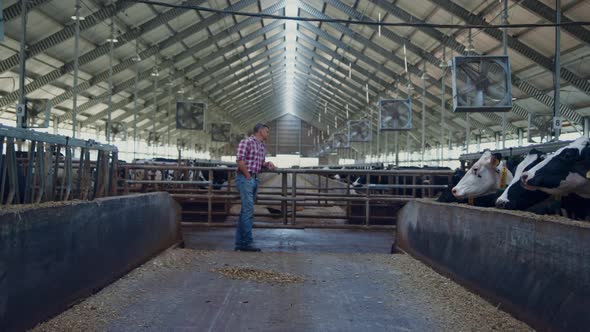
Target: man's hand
[(271, 166)]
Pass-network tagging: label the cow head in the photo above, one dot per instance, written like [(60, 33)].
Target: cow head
[(515, 196), (482, 178), (558, 174)]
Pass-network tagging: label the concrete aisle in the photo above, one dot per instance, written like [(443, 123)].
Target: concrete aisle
[(180, 290), (294, 240)]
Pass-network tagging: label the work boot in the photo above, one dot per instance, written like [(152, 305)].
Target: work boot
[(251, 249)]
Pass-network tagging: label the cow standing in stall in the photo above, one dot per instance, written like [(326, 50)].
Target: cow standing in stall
[(484, 179)]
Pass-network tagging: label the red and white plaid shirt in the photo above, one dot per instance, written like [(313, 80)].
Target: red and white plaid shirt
[(253, 153)]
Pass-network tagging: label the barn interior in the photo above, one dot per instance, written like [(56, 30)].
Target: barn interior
[(120, 121)]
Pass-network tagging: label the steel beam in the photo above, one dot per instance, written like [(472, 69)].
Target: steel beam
[(548, 14)]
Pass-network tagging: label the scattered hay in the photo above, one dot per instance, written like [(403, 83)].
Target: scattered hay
[(246, 273), (19, 208)]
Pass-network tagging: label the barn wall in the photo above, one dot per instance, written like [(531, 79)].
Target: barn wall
[(50, 257), (537, 268)]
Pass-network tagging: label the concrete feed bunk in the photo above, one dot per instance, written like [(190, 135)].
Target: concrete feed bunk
[(536, 267), (54, 254)]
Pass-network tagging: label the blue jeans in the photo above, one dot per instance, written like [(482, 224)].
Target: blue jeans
[(247, 189)]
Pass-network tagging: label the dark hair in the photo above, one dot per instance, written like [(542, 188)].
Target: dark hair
[(259, 126)]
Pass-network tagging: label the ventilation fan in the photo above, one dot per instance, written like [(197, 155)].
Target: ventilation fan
[(190, 115), (38, 113), (220, 132), (359, 131), (153, 138), (340, 141), (395, 114), (119, 130), (481, 84)]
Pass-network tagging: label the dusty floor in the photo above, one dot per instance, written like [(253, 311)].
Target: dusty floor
[(316, 290)]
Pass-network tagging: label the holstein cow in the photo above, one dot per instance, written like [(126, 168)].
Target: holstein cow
[(484, 178), (516, 197), (563, 172), (566, 173)]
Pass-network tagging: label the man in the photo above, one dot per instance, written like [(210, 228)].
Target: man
[(250, 158)]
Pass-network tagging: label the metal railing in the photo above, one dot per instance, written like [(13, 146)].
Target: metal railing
[(318, 189), (33, 168)]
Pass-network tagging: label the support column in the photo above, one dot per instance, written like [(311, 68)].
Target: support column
[(557, 73)]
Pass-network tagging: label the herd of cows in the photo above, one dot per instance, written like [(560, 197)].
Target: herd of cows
[(557, 183)]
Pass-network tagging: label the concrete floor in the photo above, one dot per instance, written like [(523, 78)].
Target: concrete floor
[(294, 240), (352, 283), (341, 294)]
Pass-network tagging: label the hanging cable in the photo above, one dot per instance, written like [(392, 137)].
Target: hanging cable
[(361, 22)]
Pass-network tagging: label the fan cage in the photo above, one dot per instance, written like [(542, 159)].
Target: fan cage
[(195, 109), (356, 128), (505, 105), (384, 104), (38, 112), (340, 141)]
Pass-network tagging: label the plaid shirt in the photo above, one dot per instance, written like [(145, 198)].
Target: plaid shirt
[(253, 153)]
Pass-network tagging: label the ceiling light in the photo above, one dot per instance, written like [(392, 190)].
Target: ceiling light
[(180, 91), (81, 18), (155, 72), (112, 40), (136, 58)]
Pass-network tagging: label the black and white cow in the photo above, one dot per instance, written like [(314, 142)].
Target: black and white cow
[(516, 197), (485, 177), (564, 171), (219, 177)]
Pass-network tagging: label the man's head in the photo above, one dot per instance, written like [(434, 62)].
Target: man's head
[(261, 131)]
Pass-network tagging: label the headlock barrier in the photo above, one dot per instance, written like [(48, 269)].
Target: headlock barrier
[(38, 167)]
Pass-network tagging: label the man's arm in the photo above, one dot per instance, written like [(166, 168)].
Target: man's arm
[(244, 169)]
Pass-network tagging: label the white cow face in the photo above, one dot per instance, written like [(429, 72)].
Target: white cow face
[(481, 178)]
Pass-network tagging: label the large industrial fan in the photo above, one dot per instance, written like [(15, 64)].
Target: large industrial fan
[(190, 115), (119, 131), (220, 132), (395, 114), (38, 112), (340, 141), (481, 84), (359, 131)]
